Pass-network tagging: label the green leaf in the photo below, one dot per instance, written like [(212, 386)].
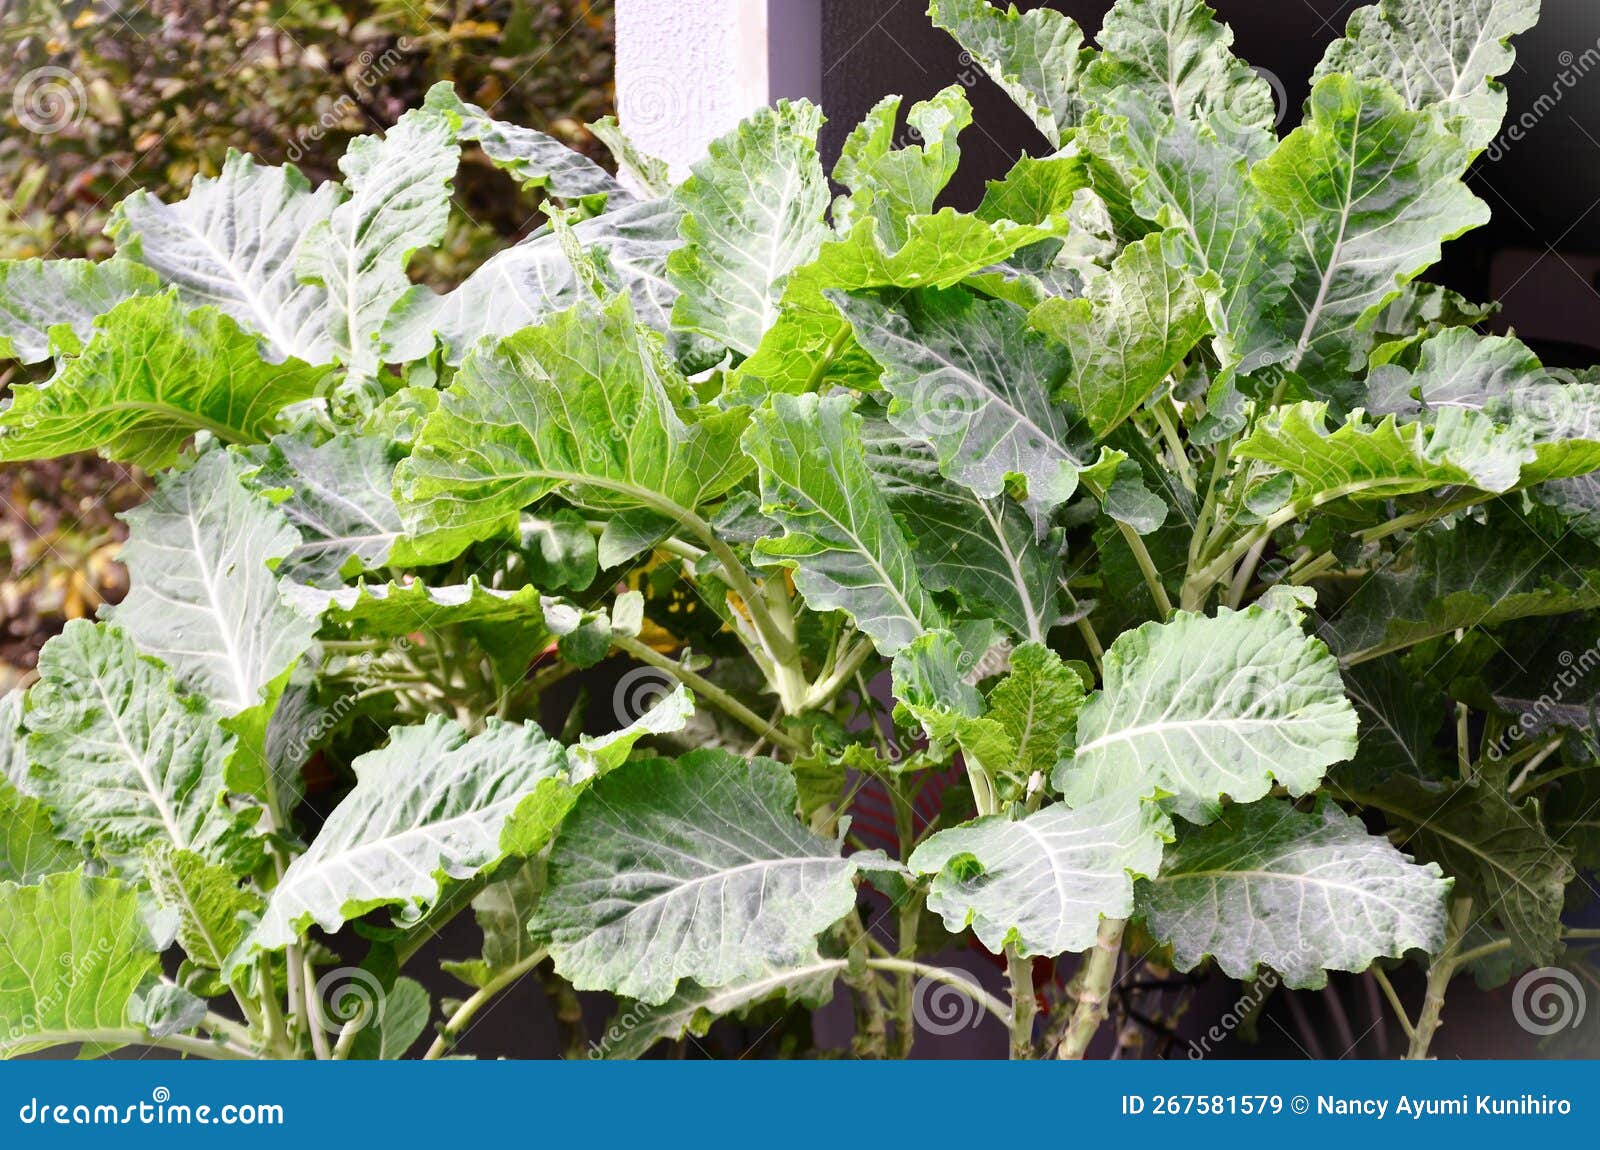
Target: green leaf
[(1133, 326), (29, 845), (559, 550), (811, 345), (1363, 460), (341, 501), (1441, 54), (1201, 708), (1401, 714), (753, 212), (1035, 191), (76, 953), (584, 403), (202, 597), (406, 1010), (121, 756), (892, 183), (1020, 729), (168, 1009), (939, 251), (1500, 377), (984, 550), (1036, 57), (839, 537), (1037, 705), (641, 897), (1464, 575), (1195, 188), (38, 295), (1043, 882), (151, 376), (13, 742), (1498, 852), (693, 1009), (931, 682), (968, 376), (502, 910), (427, 808), (524, 285), (233, 244), (530, 157), (1365, 192), (1178, 55), (648, 171), (213, 910), (390, 610), (397, 200), (1301, 893), (594, 755)]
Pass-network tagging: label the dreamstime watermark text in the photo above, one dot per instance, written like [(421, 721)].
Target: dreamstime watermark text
[(157, 1110)]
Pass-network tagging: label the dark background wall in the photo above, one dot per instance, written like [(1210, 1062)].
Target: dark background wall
[(1541, 255)]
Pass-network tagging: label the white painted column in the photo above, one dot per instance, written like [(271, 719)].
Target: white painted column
[(689, 70)]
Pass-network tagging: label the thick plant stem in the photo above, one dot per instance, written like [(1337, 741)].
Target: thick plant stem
[(908, 917), (712, 693), (277, 1034), (1094, 993), (182, 1043), (1147, 568), (1439, 975), (1024, 1003), (962, 982), (452, 1030)]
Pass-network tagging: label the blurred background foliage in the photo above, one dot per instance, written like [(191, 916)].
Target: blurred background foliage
[(150, 93)]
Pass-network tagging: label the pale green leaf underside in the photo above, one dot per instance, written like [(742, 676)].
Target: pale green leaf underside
[(428, 807), (1300, 893), (120, 755), (202, 596), (1361, 459), (1177, 53), (398, 200), (1044, 882), (1036, 57), (641, 896), (846, 550), (37, 295), (524, 284), (1202, 708), (967, 375), (1443, 54), (984, 550), (341, 501), (233, 244), (13, 742), (532, 158), (1364, 193), (753, 212)]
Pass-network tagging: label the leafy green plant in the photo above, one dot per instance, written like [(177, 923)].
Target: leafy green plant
[(109, 96), (1181, 519)]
